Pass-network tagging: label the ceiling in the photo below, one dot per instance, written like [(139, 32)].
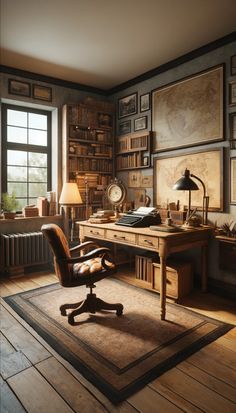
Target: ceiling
[(103, 43)]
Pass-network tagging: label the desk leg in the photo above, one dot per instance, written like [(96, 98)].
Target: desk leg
[(163, 287), (204, 269)]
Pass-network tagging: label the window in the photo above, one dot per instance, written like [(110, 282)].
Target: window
[(26, 153)]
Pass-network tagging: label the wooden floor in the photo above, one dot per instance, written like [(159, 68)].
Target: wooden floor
[(35, 379)]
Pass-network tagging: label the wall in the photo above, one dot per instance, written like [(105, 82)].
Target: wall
[(204, 62)]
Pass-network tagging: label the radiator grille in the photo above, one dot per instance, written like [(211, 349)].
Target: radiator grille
[(21, 249)]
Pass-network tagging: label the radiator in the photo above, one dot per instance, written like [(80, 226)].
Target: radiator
[(23, 249)]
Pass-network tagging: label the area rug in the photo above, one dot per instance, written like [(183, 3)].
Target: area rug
[(119, 355)]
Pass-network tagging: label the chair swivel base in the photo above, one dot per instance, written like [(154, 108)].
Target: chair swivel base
[(91, 304)]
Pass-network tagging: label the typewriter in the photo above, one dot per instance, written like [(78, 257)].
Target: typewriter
[(141, 217)]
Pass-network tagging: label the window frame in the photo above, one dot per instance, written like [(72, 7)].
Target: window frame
[(25, 146)]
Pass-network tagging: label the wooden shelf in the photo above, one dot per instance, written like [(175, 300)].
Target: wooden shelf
[(133, 151)]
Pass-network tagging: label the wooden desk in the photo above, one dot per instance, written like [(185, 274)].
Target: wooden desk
[(163, 243)]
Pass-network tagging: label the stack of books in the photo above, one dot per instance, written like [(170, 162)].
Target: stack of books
[(30, 211)]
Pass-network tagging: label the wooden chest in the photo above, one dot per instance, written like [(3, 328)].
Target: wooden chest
[(179, 279)]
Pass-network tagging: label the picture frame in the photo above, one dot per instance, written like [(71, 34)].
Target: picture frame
[(124, 127), (134, 179), (232, 130), (145, 102), (17, 87), (127, 105), (232, 93), (207, 165), (233, 180), (185, 114), (233, 65), (42, 93), (140, 123), (139, 198)]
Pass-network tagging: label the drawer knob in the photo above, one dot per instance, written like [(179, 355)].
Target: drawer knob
[(148, 242), (118, 237), (94, 232)]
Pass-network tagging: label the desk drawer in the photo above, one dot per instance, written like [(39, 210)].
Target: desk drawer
[(94, 232), (125, 237), (148, 241)]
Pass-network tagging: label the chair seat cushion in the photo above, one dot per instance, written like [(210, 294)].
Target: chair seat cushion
[(90, 267)]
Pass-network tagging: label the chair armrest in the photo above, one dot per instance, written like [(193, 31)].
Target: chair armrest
[(92, 254), (85, 244)]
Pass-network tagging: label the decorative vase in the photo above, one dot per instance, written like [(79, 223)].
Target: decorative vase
[(9, 215)]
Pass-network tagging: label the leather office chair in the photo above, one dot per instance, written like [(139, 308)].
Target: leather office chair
[(80, 270)]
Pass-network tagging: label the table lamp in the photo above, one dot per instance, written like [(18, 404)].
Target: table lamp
[(70, 197), (187, 184)]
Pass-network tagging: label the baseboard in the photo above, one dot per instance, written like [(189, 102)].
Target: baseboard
[(222, 288)]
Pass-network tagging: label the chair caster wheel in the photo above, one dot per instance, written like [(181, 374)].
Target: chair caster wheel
[(63, 312), (71, 321), (119, 312)]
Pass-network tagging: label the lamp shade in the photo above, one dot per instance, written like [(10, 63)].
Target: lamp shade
[(185, 183), (70, 194)]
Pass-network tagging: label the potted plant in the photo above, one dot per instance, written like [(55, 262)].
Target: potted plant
[(9, 205)]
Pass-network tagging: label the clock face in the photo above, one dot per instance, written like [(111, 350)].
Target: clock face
[(115, 193)]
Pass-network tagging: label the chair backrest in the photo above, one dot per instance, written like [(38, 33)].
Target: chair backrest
[(60, 249)]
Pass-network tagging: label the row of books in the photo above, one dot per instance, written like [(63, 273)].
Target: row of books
[(46, 207), (83, 164), (129, 161), (86, 134)]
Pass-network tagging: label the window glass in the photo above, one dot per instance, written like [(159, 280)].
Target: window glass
[(16, 157), (20, 189), (15, 134), (37, 121), (38, 174), (26, 153), (37, 159), (17, 173), (36, 189), (37, 137), (17, 118)]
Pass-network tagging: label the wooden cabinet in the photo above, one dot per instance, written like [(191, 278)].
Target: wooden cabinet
[(179, 279), (227, 253), (87, 151), (133, 151)]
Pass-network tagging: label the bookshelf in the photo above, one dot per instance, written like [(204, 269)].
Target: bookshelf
[(133, 151), (87, 151)]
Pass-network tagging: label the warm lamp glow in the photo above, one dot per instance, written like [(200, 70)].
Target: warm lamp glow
[(70, 195)]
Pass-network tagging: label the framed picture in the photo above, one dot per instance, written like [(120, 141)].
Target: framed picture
[(233, 65), (42, 93), (125, 127), (140, 123), (208, 166), (144, 102), (233, 180), (16, 87), (232, 130), (146, 181), (134, 179), (127, 105), (188, 112), (139, 198), (232, 93)]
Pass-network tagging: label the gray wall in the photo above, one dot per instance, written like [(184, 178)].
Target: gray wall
[(206, 61)]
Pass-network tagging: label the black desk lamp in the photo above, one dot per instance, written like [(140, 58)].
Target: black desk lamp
[(187, 184)]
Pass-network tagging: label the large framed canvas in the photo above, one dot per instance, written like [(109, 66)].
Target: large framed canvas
[(208, 166), (189, 112), (233, 180)]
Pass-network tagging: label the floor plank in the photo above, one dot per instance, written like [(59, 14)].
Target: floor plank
[(194, 392), (68, 387), (8, 401), (21, 339), (12, 361), (209, 381), (147, 400), (36, 394)]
